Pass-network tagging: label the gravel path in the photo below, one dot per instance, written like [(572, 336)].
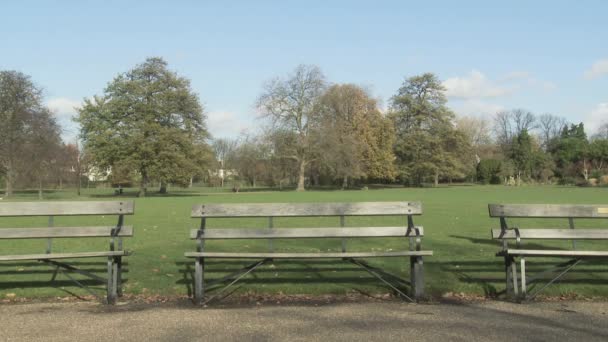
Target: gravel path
[(364, 321)]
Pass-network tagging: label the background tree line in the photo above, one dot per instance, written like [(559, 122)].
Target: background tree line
[(148, 127)]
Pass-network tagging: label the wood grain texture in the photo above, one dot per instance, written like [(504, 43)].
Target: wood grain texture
[(328, 255), (66, 208), (296, 233), (548, 253), (62, 255), (307, 209), (553, 234), (62, 232), (548, 210)]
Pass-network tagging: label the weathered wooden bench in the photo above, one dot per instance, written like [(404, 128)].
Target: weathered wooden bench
[(342, 210), (508, 233), (52, 209)]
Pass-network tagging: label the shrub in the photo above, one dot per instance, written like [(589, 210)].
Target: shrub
[(488, 171)]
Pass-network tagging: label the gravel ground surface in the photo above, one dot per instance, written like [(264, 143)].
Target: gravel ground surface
[(348, 321)]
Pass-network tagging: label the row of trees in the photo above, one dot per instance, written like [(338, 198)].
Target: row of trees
[(31, 149), (337, 134), (148, 127)]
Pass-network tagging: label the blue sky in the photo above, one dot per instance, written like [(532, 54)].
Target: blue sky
[(544, 56)]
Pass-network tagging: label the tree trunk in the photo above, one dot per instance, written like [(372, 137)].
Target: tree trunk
[(142, 185), (163, 187), (9, 180), (79, 180), (344, 182), (40, 188), (436, 177), (301, 175), (585, 171), (192, 180)]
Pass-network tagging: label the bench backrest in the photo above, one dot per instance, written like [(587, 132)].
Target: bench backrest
[(550, 211), (306, 209), (52, 209), (82, 208), (270, 210)]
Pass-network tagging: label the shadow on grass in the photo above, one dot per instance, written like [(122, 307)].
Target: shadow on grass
[(134, 194), (497, 243), (45, 272), (490, 274), (302, 273)]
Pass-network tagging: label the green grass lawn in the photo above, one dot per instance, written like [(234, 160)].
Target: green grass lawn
[(455, 219)]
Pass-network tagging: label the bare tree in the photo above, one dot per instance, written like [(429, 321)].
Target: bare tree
[(602, 132), (291, 104), (550, 126), (523, 120), (478, 130), (509, 124)]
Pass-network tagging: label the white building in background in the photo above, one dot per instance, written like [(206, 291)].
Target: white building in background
[(96, 175)]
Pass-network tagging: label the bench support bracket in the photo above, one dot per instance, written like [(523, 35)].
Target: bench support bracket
[(111, 280)]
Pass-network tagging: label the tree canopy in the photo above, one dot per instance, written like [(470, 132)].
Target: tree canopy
[(150, 121)]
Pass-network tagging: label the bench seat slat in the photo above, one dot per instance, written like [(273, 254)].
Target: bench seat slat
[(306, 209), (62, 232), (294, 233), (62, 255), (66, 208), (306, 255), (553, 234), (548, 210), (547, 253)]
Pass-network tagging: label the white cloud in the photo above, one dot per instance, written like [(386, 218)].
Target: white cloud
[(226, 124), (516, 75), (476, 108), (474, 86), (63, 107), (597, 117), (599, 68)]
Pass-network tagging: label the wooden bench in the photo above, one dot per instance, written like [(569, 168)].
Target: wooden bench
[(342, 210), (52, 209), (508, 233)]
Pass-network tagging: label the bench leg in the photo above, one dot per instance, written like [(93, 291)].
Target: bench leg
[(511, 277), (417, 277), (112, 274), (119, 276), (198, 281), (522, 270)]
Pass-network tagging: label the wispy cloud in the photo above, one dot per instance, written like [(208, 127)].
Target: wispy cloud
[(63, 107), (474, 86), (226, 124), (595, 118), (598, 69), (477, 108), (477, 86)]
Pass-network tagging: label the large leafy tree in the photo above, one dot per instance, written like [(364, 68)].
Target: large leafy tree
[(427, 144), (20, 104), (357, 139), (150, 121), (570, 151), (292, 105), (42, 148)]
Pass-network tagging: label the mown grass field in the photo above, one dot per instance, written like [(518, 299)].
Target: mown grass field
[(456, 228)]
